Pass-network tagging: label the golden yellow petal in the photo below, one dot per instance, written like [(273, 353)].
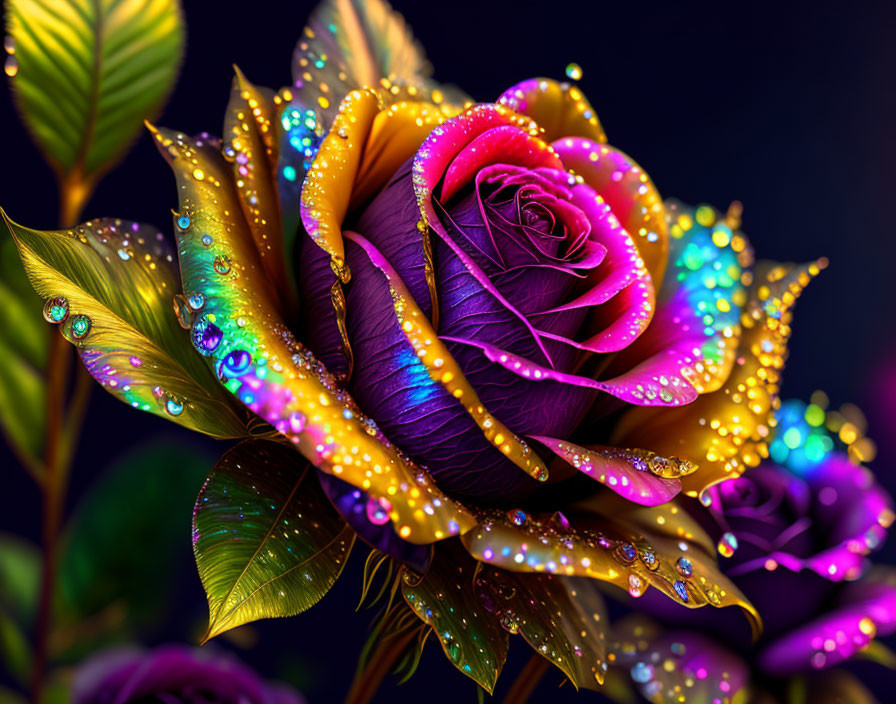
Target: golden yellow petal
[(240, 332), (726, 431), (560, 109)]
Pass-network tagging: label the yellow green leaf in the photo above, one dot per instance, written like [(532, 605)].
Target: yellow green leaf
[(266, 539), (444, 598), (110, 284), (86, 73)]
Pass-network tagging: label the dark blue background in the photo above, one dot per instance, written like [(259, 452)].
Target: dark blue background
[(790, 109)]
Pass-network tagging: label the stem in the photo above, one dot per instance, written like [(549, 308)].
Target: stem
[(58, 449), (388, 651), (53, 490), (528, 680), (74, 192)]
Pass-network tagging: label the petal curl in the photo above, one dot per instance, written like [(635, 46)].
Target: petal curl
[(366, 144), (271, 373), (559, 109), (639, 476), (251, 146), (727, 430), (866, 609), (346, 46), (628, 190)]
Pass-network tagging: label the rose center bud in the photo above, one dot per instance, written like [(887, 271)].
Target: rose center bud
[(511, 250)]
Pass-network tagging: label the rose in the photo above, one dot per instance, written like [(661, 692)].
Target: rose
[(532, 276), (490, 295), (796, 535), (173, 674)]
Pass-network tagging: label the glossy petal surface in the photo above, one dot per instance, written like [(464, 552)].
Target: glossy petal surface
[(637, 475), (727, 430), (622, 551), (239, 330), (560, 109), (865, 609)]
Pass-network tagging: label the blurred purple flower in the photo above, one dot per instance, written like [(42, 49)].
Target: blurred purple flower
[(174, 674)]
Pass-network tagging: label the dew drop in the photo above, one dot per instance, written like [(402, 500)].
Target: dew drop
[(11, 67), (207, 240), (222, 265), (56, 309), (196, 301), (173, 407), (184, 222), (206, 335), (517, 516), (378, 511), (78, 327), (684, 567), (573, 72), (727, 544), (237, 361)]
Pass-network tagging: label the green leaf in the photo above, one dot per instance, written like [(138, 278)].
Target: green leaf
[(8, 696), (89, 73), (15, 650), (266, 539), (117, 280), (471, 637), (23, 347), (563, 618), (122, 543), (19, 577)]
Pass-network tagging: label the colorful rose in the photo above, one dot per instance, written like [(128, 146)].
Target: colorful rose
[(175, 675), (475, 328)]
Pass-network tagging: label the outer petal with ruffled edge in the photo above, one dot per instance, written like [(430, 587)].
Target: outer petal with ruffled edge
[(726, 431), (239, 330), (633, 550)]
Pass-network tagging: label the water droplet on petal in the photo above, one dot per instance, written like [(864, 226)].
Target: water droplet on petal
[(573, 72), (184, 222), (378, 511), (206, 335), (222, 265), (77, 328), (684, 566), (173, 407), (207, 240), (517, 516), (237, 361), (56, 309), (196, 301), (11, 67)]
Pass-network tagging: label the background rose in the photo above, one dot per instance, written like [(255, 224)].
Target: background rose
[(176, 675), (795, 538)]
